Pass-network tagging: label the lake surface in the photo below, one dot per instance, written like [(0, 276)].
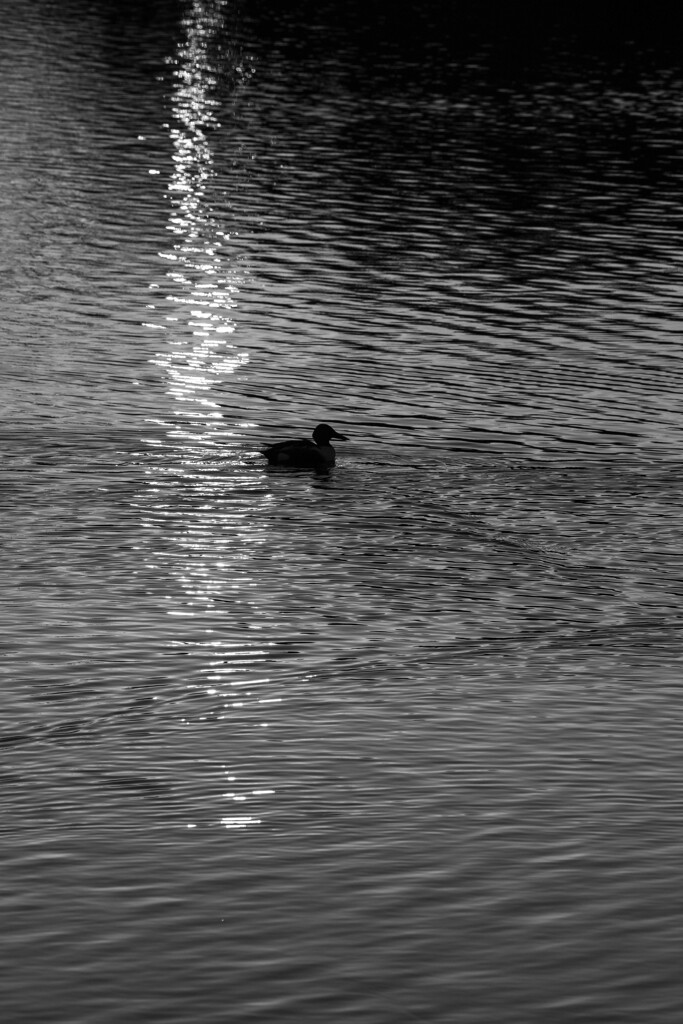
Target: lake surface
[(401, 743)]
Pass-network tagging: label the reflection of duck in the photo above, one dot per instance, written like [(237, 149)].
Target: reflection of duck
[(317, 454)]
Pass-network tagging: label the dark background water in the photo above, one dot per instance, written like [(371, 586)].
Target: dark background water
[(399, 744)]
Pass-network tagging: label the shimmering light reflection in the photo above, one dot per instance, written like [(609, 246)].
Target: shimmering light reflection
[(201, 500), (242, 820), (202, 540), (199, 288)]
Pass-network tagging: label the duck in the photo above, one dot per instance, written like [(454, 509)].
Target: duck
[(317, 454)]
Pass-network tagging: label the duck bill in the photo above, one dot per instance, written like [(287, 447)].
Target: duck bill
[(339, 437)]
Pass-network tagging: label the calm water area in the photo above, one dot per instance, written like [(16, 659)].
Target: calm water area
[(404, 742)]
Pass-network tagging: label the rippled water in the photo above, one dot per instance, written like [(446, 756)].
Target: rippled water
[(398, 744)]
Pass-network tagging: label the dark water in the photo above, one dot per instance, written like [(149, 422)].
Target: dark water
[(398, 744)]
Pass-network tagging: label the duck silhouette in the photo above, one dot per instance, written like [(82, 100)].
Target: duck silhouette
[(303, 453)]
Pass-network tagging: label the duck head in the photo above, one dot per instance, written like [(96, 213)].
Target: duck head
[(324, 433)]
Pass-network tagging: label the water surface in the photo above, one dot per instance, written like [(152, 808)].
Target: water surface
[(400, 743)]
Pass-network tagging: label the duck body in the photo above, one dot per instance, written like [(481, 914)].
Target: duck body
[(303, 453)]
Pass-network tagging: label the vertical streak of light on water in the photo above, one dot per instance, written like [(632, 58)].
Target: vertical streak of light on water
[(201, 282), (201, 538)]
